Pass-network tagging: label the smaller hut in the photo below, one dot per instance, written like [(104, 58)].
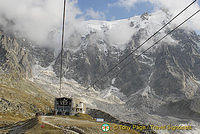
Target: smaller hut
[(78, 106)]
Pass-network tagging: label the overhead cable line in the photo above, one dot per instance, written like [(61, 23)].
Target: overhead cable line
[(62, 48), (156, 43), (140, 45)]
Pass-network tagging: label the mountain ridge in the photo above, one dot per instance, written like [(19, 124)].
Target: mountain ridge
[(168, 75)]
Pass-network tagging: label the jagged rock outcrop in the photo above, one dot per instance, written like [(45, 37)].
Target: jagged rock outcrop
[(14, 58), (19, 98)]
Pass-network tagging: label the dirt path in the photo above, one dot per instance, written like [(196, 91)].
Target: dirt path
[(72, 130), (81, 126)]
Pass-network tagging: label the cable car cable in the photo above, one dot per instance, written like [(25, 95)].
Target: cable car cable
[(156, 43), (140, 46), (62, 48)]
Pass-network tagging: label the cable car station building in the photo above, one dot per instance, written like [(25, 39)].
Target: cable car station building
[(69, 106)]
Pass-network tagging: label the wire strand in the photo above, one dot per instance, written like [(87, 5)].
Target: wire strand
[(156, 43), (140, 45), (62, 45)]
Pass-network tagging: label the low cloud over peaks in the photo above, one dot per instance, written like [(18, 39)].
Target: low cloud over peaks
[(173, 7), (40, 20)]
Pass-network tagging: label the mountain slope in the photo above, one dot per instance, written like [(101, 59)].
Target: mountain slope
[(166, 76), (20, 98), (148, 90)]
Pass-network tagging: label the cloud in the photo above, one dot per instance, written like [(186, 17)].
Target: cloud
[(120, 34), (172, 6), (95, 14), (128, 4), (39, 20)]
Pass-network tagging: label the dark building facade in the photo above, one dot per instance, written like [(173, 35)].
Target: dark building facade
[(63, 106)]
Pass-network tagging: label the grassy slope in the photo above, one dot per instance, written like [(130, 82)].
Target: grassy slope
[(20, 100)]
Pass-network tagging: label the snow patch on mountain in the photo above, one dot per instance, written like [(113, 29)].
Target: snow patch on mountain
[(47, 79), (146, 92), (113, 92), (119, 33)]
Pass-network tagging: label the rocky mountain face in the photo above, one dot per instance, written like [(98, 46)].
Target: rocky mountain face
[(161, 81), (164, 81), (19, 98), (14, 58), (173, 86)]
